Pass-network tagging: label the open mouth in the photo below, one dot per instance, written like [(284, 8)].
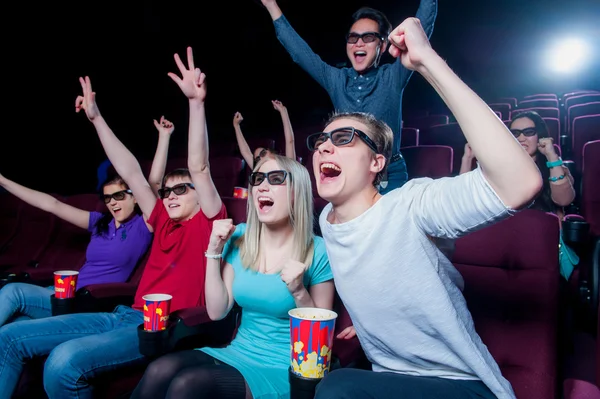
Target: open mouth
[(360, 56), (116, 210), (265, 203), (329, 171), (172, 206)]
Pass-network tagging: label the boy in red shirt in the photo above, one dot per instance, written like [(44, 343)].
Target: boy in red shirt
[(81, 346)]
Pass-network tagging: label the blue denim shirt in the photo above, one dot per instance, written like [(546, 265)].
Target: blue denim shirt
[(377, 91)]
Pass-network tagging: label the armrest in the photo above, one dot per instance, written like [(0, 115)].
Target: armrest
[(104, 297), (589, 283), (108, 290), (188, 328)]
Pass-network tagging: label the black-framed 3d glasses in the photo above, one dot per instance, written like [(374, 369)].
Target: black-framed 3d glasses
[(118, 196), (274, 177), (527, 132), (339, 137), (367, 37), (178, 189)]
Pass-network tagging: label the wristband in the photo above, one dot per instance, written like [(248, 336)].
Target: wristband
[(213, 256), (556, 178), (552, 164)]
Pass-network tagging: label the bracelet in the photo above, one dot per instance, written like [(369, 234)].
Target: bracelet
[(554, 178), (552, 164), (211, 256)]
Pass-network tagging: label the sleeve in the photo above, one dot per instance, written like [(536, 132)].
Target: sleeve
[(303, 55), (427, 14), (454, 206), (94, 217), (230, 251), (158, 213), (320, 270)]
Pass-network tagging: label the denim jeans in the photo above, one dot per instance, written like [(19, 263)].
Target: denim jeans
[(20, 301), (80, 347), (396, 175)]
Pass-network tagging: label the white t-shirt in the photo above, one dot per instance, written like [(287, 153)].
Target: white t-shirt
[(403, 295)]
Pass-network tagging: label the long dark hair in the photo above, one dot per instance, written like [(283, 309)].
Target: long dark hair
[(543, 201), (101, 226)]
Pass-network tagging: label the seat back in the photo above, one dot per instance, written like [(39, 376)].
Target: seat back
[(579, 110), (544, 112), (511, 278), (226, 173), (33, 235), (584, 129), (590, 189), (236, 209), (449, 135), (410, 137), (539, 102), (433, 161), (69, 243), (426, 121), (503, 108), (9, 218)]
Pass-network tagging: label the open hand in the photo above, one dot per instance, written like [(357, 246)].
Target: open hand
[(192, 82), (347, 333)]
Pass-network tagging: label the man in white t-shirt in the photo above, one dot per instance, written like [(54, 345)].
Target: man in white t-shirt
[(403, 295)]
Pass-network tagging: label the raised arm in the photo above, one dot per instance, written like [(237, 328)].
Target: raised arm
[(121, 158), (241, 141), (561, 183), (193, 85), (159, 163), (48, 203), (288, 132), (298, 49), (507, 167), (427, 14)]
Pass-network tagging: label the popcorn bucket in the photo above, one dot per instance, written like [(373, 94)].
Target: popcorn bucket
[(311, 338), (156, 311), (240, 192), (65, 283)]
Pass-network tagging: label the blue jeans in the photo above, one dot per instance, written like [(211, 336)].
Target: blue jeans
[(396, 175), (80, 347), (20, 301)]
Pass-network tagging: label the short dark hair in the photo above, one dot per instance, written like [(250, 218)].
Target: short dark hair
[(377, 130), (385, 27)]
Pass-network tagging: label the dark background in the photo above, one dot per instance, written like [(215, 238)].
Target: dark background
[(497, 47)]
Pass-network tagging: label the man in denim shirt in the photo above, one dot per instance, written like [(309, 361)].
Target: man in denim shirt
[(367, 86)]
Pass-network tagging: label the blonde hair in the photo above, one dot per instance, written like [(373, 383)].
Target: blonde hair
[(300, 205)]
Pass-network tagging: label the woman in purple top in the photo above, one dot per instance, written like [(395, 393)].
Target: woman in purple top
[(119, 239), (119, 236)]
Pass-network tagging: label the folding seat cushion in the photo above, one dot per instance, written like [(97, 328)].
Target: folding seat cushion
[(511, 278), (433, 161)]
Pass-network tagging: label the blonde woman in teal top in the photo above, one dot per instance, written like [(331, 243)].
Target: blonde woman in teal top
[(269, 265)]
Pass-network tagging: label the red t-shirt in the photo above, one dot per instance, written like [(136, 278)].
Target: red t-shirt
[(177, 265)]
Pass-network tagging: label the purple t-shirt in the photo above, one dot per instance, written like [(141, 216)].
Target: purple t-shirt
[(112, 256)]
